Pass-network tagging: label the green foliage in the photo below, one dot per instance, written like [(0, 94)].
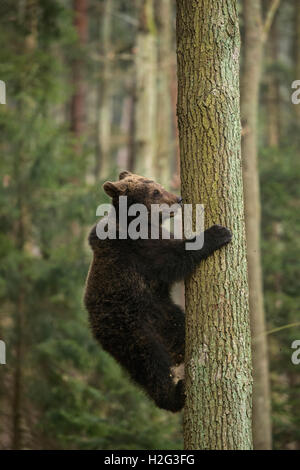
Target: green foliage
[(74, 395), (280, 192)]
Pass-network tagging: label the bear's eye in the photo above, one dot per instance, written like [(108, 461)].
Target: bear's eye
[(156, 192)]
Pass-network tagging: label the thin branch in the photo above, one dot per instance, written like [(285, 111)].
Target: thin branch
[(274, 330), (269, 19)]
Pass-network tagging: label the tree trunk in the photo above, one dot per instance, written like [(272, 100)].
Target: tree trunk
[(218, 357), (123, 151), (249, 108), (166, 53), (79, 90), (145, 109), (273, 97), (103, 161)]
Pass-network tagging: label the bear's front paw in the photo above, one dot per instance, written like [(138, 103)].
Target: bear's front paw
[(219, 235), (177, 373)]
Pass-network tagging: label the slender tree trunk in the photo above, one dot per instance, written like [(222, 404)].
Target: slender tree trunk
[(103, 160), (166, 53), (78, 82), (146, 75), (253, 48), (125, 153), (273, 97), (122, 156), (218, 356)]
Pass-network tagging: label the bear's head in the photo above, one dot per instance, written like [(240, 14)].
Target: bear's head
[(139, 190)]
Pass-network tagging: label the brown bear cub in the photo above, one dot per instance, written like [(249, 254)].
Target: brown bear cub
[(128, 297)]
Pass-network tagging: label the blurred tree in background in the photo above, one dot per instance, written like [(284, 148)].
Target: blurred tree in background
[(279, 144), (256, 30), (91, 87)]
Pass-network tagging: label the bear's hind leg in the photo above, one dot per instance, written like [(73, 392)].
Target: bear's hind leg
[(150, 365), (172, 331)]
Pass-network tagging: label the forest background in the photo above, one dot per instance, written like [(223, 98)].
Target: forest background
[(91, 89)]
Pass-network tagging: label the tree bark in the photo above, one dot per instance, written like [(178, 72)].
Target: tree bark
[(176, 161), (253, 48), (218, 357), (145, 106)]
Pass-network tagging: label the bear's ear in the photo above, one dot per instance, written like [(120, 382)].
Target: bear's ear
[(124, 174), (114, 189)]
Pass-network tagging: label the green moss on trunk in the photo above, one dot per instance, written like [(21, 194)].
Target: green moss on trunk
[(218, 357)]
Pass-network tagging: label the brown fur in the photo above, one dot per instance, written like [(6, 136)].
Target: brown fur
[(128, 297)]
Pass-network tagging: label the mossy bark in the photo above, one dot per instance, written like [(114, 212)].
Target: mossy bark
[(218, 357)]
